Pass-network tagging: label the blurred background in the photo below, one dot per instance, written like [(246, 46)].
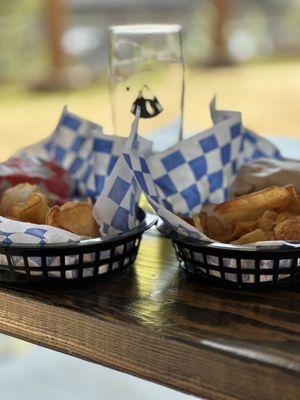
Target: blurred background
[(29, 372), (55, 52)]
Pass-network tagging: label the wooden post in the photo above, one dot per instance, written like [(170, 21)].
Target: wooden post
[(56, 25), (223, 9)]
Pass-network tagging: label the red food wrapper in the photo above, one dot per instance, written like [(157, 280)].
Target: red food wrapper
[(46, 174)]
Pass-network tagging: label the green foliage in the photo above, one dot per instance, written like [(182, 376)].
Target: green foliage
[(24, 7), (21, 38)]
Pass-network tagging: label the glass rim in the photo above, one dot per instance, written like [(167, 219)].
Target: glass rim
[(140, 29)]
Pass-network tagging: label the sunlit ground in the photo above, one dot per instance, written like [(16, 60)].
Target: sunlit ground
[(30, 372), (267, 94)]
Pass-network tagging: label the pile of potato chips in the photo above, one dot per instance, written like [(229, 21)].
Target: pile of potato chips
[(269, 214), (28, 203)]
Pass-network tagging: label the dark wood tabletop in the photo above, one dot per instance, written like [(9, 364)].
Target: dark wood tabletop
[(149, 321)]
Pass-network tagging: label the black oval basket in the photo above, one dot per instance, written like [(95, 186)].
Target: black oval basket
[(233, 266), (91, 258)]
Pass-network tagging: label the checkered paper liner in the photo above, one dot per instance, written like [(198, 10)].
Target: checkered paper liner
[(67, 260), (114, 171), (116, 205), (89, 155), (194, 172), (26, 233), (81, 148)]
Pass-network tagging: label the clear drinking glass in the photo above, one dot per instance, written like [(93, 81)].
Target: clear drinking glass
[(146, 69)]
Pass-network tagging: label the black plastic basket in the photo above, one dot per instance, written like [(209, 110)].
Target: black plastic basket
[(90, 258), (236, 266)]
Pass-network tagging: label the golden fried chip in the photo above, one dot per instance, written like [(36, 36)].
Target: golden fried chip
[(34, 210), (76, 217), (214, 226), (243, 215), (242, 228), (270, 198), (269, 214), (197, 223), (272, 213), (268, 220), (288, 229), (284, 215), (258, 235), (211, 223), (219, 226), (18, 194), (294, 207)]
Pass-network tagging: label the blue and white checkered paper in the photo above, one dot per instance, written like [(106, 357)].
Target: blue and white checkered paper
[(195, 171), (26, 233), (23, 232), (115, 171), (116, 205), (198, 171), (80, 147), (253, 146)]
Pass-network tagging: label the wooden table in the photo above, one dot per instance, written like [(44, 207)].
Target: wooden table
[(149, 321)]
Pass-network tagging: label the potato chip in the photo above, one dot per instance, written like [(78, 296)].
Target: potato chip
[(284, 215), (214, 226), (242, 228), (197, 223), (34, 210), (267, 199), (268, 220), (230, 219), (18, 194), (258, 235), (76, 217), (288, 229), (294, 207), (229, 226)]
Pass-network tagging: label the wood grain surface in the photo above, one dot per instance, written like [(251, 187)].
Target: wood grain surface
[(206, 340)]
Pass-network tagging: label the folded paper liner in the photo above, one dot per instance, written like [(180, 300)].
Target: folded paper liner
[(263, 173), (210, 160)]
